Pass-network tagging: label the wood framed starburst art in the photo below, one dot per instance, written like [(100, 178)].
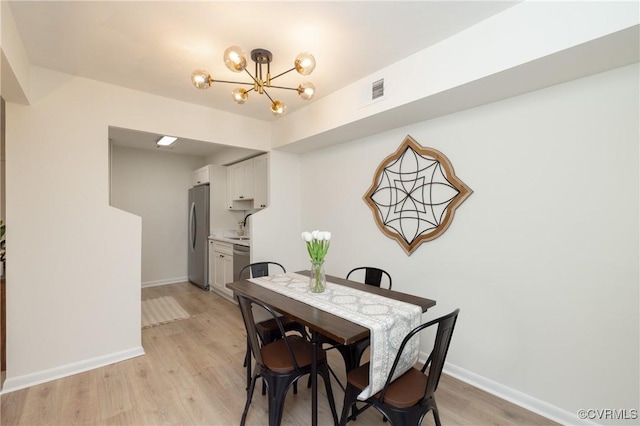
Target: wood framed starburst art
[(414, 195)]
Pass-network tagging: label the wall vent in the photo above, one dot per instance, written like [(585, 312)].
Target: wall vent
[(377, 89)]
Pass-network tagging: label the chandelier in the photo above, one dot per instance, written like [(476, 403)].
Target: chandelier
[(235, 59)]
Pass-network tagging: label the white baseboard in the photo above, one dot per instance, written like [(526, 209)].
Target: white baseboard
[(523, 400), (12, 384), (165, 281)]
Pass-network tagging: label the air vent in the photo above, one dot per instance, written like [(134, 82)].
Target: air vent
[(377, 89)]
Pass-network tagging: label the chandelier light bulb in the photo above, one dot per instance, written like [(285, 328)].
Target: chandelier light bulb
[(235, 59), (240, 95), (201, 79), (278, 108), (305, 63), (306, 90)]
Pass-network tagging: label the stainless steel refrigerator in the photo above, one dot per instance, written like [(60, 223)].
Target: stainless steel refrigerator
[(198, 236)]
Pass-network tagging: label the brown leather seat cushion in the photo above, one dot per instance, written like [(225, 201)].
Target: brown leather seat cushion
[(276, 356), (405, 391)]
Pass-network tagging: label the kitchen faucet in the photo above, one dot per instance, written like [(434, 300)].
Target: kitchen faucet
[(244, 222)]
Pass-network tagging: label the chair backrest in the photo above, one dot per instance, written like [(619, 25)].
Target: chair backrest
[(247, 307), (372, 276), (435, 361), (259, 269)]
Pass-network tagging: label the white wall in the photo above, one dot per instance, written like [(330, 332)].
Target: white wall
[(154, 185), (275, 234), (542, 258), (73, 287)]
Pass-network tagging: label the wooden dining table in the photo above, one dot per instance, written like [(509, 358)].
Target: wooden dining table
[(339, 329)]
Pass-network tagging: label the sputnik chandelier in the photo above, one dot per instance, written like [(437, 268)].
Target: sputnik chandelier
[(235, 59)]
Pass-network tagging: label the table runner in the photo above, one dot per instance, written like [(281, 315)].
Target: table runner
[(388, 320)]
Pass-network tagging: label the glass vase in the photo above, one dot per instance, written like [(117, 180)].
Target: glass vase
[(317, 279)]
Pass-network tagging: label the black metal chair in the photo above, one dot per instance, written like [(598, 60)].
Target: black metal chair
[(407, 399), (267, 327), (281, 362), (258, 269), (372, 276)]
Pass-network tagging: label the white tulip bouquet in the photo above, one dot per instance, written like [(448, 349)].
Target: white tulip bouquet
[(317, 245)]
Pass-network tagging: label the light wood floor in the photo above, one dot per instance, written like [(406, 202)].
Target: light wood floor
[(192, 374)]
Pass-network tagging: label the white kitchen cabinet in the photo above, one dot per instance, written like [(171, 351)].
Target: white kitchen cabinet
[(248, 184), (201, 175), (230, 186), (222, 260), (242, 180), (231, 203), (261, 182)]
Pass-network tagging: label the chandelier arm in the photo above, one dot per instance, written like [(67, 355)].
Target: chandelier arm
[(286, 88), (283, 73), (231, 82), (270, 98)]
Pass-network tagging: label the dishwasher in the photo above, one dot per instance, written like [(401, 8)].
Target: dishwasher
[(240, 259)]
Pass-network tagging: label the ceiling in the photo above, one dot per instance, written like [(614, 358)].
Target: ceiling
[(147, 140), (153, 46)]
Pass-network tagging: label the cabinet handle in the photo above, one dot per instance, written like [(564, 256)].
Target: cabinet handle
[(241, 197), (221, 255)]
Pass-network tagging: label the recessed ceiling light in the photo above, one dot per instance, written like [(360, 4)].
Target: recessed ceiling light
[(166, 141)]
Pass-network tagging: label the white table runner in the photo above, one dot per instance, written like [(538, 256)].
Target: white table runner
[(388, 320)]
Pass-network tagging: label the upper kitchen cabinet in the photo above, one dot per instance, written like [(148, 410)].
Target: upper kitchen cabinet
[(242, 178), (201, 176), (261, 182), (248, 184)]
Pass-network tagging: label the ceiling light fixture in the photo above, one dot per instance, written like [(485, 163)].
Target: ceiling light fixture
[(166, 141), (235, 59)]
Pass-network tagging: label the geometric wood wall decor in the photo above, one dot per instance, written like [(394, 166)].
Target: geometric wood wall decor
[(415, 194)]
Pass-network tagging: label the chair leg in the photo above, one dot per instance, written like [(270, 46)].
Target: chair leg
[(295, 388), (352, 354), (329, 391), (350, 398), (249, 397), (277, 393), (247, 363), (436, 415)]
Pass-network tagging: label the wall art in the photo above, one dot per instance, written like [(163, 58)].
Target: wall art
[(415, 194)]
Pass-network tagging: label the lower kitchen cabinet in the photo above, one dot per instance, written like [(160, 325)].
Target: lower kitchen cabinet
[(220, 267)]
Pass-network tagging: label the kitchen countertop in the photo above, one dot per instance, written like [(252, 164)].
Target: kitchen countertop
[(243, 241)]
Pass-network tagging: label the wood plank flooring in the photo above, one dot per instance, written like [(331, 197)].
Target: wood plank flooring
[(192, 374)]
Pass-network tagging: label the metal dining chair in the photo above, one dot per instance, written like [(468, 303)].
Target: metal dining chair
[(281, 362), (372, 276), (266, 326), (407, 399)]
